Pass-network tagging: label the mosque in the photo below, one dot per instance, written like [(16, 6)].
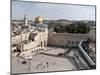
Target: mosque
[(32, 37)]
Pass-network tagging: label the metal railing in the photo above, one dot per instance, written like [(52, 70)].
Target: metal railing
[(85, 54)]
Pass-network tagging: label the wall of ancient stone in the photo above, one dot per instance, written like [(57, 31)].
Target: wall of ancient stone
[(65, 39)]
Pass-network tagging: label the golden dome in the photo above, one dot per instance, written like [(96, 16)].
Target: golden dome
[(38, 19)]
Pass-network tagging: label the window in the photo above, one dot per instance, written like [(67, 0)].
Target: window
[(14, 50), (32, 39)]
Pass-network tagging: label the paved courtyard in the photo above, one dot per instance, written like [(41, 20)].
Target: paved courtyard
[(42, 63)]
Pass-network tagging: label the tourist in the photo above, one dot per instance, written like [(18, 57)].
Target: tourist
[(28, 68), (47, 64)]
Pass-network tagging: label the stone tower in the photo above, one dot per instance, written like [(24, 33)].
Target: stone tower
[(25, 20)]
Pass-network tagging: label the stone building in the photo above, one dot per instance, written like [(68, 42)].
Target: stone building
[(39, 36), (32, 37)]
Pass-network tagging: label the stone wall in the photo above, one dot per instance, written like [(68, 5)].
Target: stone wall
[(65, 39)]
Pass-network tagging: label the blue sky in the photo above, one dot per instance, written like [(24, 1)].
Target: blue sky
[(52, 11)]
